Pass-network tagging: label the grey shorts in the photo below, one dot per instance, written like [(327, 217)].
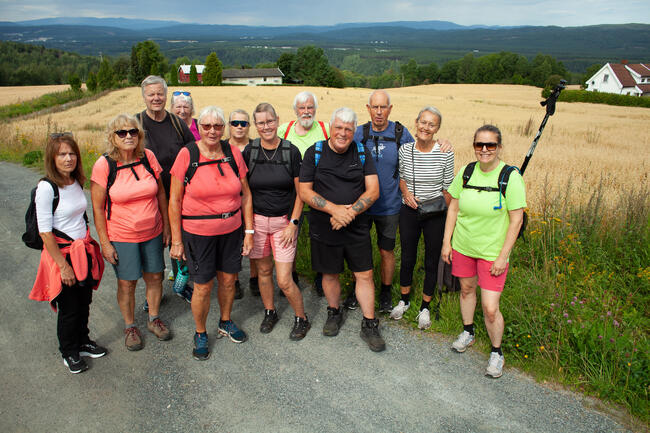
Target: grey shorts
[(386, 227), (133, 258)]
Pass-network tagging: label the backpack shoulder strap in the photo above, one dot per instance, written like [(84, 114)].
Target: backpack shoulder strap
[(286, 133), (110, 180), (285, 154), (322, 126), (55, 188), (176, 121), (227, 153), (318, 150), (361, 151), (467, 173), (254, 154), (504, 177), (399, 130), (147, 165), (366, 133), (193, 149)]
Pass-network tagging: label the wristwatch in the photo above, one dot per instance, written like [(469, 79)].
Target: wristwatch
[(295, 221)]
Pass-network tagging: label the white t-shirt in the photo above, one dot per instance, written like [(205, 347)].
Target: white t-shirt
[(69, 214)]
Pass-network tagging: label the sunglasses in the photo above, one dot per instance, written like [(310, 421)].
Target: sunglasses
[(55, 135), (242, 123), (132, 132), (181, 92), (488, 146), (207, 126)]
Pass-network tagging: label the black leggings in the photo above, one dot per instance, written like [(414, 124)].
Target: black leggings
[(73, 304), (409, 232)]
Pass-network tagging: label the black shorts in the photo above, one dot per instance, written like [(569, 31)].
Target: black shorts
[(328, 259), (206, 255), (386, 227)]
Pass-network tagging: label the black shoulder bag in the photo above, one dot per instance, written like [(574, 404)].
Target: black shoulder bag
[(431, 207)]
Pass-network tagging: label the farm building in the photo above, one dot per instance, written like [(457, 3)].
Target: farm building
[(184, 73), (622, 79), (253, 77)]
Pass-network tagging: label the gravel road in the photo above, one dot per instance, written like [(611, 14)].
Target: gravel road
[(269, 383)]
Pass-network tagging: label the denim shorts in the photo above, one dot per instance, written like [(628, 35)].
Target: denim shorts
[(133, 258)]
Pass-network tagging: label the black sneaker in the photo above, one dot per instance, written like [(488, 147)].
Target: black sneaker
[(370, 334), (318, 284), (385, 302), (254, 286), (92, 350), (270, 319), (239, 293), (300, 328), (75, 363), (351, 302), (333, 322)]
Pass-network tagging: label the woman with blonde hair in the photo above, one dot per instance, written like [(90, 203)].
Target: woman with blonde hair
[(130, 210)]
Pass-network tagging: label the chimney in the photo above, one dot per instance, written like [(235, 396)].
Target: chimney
[(624, 62)]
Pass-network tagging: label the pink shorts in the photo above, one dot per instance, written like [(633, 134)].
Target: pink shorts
[(466, 267), (267, 238)]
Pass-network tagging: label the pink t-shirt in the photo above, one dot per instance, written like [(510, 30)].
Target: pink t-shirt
[(135, 216), (210, 193), (195, 129)]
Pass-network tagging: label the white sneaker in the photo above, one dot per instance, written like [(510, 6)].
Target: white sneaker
[(495, 365), (399, 310), (463, 341), (424, 319)]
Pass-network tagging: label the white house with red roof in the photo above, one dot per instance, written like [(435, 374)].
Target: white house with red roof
[(622, 79)]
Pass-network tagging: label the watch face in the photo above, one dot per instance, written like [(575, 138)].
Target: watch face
[(295, 221)]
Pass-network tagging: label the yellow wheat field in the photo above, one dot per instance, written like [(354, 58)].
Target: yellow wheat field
[(583, 143), (15, 94)]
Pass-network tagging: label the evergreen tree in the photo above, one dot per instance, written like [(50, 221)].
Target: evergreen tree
[(285, 62), (91, 82), (194, 77), (212, 71), (105, 78), (75, 82)]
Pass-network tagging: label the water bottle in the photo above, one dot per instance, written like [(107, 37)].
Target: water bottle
[(181, 277)]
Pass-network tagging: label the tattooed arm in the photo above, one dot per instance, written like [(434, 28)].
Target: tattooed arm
[(370, 196), (340, 214)]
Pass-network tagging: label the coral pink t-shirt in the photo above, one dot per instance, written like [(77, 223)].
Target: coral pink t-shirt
[(135, 215), (210, 193)]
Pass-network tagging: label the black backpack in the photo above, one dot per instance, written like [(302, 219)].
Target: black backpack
[(399, 130), (176, 122), (31, 237), (285, 156), (504, 176), (112, 173)]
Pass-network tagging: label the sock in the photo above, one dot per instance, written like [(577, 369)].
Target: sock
[(152, 318), (386, 288), (497, 350), (269, 312), (469, 328), (132, 325), (406, 297), (426, 305), (335, 310)]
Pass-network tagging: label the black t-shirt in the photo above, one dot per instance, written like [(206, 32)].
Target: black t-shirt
[(340, 179), (165, 143), (272, 187)]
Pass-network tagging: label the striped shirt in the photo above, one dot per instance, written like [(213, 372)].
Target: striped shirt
[(434, 171)]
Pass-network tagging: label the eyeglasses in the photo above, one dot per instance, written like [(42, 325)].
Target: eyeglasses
[(489, 146), (268, 123), (181, 92), (55, 135), (208, 126), (122, 132), (242, 123)]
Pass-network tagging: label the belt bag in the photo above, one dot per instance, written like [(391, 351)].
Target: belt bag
[(432, 207)]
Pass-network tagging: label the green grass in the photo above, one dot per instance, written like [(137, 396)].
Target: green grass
[(600, 98)]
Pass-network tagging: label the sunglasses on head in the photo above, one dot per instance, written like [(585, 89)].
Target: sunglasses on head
[(242, 123), (488, 146), (60, 134), (122, 132), (181, 92), (207, 126)]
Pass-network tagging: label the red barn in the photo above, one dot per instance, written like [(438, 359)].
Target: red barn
[(184, 73)]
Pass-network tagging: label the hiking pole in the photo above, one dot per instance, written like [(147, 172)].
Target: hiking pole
[(549, 103)]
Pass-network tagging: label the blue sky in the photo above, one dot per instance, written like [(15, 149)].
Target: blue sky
[(292, 12)]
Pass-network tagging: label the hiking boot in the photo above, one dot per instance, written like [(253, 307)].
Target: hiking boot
[(201, 352), (399, 310), (227, 328), (187, 293), (370, 334), (464, 340), (92, 350), (300, 328), (159, 329), (254, 286), (385, 302), (333, 322), (133, 339), (351, 302), (270, 319), (424, 319), (495, 365), (75, 363), (239, 293), (318, 284)]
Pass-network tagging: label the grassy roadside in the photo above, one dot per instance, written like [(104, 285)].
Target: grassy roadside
[(576, 299)]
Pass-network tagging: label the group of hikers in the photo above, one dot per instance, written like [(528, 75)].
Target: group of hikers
[(170, 180)]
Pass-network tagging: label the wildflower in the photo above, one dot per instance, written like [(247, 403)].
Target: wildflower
[(553, 304), (616, 324), (566, 315), (629, 364), (573, 303), (568, 321), (528, 335), (600, 337), (609, 313), (517, 345), (541, 348), (575, 298), (526, 356), (611, 340)]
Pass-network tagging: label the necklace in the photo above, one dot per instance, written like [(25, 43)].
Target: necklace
[(272, 156)]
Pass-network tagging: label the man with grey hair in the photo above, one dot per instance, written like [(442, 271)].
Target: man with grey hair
[(304, 131), (165, 134), (339, 181)]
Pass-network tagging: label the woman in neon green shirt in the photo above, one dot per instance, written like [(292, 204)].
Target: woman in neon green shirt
[(484, 224)]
